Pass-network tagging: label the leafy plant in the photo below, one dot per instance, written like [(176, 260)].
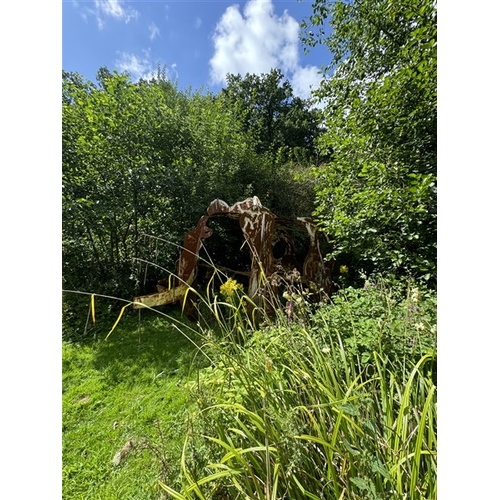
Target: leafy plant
[(299, 411), (391, 318), (377, 189)]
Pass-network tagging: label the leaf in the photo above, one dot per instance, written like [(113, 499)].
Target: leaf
[(92, 307), (379, 468), (350, 449), (349, 408), (360, 483), (118, 320)]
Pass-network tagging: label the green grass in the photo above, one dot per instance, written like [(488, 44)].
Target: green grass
[(129, 387), (337, 402)]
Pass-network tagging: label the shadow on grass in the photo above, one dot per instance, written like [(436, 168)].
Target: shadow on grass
[(146, 347)]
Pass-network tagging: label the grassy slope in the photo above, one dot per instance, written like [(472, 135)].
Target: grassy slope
[(127, 387)]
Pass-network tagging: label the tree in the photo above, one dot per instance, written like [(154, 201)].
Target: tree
[(112, 179), (377, 193), (271, 112), (284, 128)]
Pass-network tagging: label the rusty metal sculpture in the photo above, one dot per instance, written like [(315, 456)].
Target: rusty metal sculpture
[(263, 232)]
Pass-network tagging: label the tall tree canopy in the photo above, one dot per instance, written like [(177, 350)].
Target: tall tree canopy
[(270, 111), (377, 194)]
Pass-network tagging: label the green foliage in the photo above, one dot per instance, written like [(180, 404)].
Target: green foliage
[(141, 163), (271, 113), (342, 406), (337, 401), (395, 321), (283, 128), (112, 190), (215, 160), (377, 194)]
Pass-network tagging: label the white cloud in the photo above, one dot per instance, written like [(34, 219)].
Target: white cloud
[(114, 9), (305, 79), (197, 23), (173, 69), (154, 31), (137, 66), (141, 66), (254, 42)]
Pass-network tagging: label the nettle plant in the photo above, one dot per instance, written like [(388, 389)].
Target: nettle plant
[(399, 320)]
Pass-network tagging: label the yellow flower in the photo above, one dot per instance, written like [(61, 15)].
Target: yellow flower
[(344, 269), (230, 287)]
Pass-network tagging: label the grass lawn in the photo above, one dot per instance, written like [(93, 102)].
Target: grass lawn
[(127, 389)]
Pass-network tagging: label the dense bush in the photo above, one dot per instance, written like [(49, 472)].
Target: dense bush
[(141, 163), (340, 402), (397, 320)]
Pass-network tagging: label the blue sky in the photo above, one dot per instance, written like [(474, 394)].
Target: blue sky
[(198, 41)]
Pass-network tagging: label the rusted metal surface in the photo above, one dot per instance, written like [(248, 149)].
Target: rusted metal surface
[(257, 225), (264, 233), (314, 270), (193, 241), (186, 270)]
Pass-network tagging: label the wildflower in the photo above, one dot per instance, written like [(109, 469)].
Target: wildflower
[(289, 310), (269, 365), (325, 350), (415, 295), (230, 287), (294, 276), (344, 269), (419, 326)]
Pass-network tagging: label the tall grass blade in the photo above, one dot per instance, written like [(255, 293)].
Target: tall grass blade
[(118, 320), (420, 438), (303, 491), (92, 307), (174, 494)]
